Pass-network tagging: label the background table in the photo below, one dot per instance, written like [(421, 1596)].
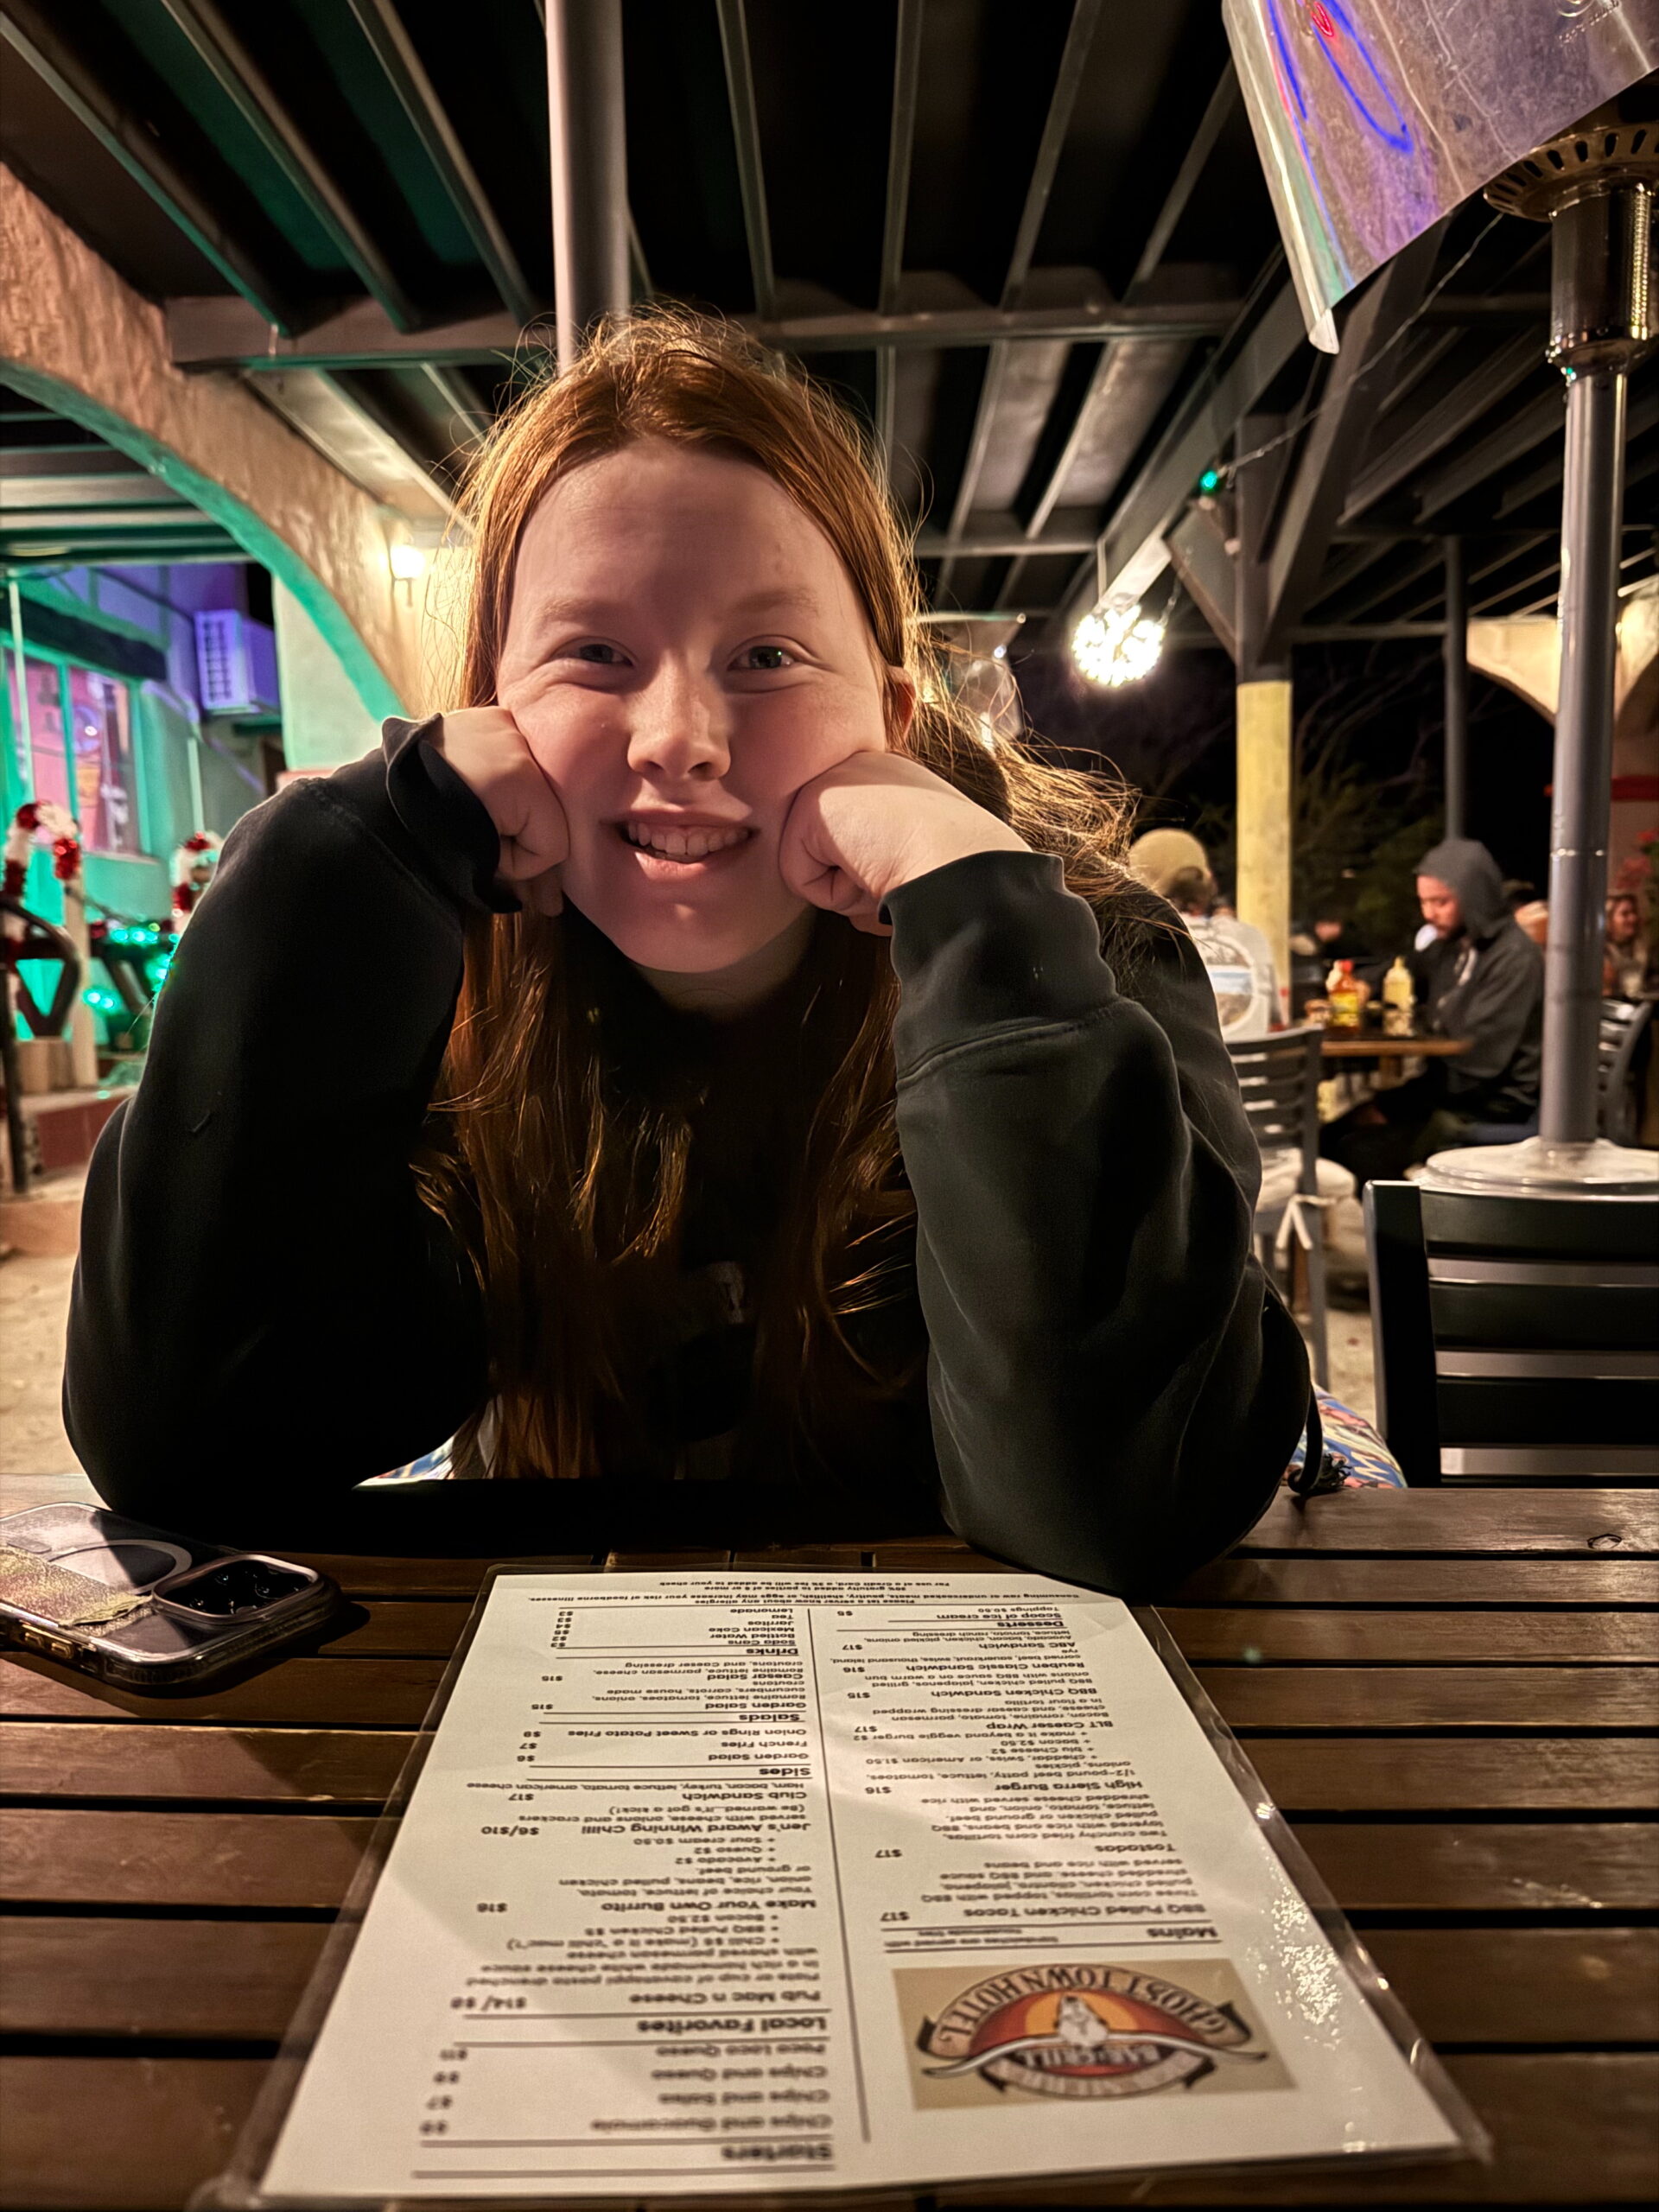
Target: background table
[(1361, 1045), (1449, 1693)]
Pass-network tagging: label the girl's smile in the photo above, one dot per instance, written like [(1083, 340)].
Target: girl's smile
[(685, 843)]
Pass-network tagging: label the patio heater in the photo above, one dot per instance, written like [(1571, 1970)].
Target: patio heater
[(1594, 186)]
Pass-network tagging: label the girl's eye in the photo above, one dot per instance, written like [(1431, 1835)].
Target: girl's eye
[(766, 657)]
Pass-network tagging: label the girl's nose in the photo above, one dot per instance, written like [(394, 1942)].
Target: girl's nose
[(679, 728)]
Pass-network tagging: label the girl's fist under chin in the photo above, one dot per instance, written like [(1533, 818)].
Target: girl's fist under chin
[(486, 750), (876, 820)]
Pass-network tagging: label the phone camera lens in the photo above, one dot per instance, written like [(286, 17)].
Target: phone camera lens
[(241, 1586)]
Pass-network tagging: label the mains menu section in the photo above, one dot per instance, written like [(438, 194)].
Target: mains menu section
[(720, 1882)]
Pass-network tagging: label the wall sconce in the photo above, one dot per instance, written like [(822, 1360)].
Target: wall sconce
[(408, 563)]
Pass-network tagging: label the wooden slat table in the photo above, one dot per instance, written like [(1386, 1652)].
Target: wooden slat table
[(1449, 1693), (1373, 1045)]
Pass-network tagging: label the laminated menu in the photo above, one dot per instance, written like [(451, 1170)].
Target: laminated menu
[(714, 1883)]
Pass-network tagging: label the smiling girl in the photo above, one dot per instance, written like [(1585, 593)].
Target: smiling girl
[(706, 1055)]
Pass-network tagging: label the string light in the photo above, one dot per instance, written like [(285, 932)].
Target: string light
[(1116, 644)]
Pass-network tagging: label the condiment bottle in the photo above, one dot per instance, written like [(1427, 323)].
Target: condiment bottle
[(1343, 994), (1399, 1001)]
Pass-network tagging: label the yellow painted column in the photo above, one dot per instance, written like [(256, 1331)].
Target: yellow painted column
[(1264, 821)]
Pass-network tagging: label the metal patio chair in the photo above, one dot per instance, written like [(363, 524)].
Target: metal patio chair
[(1279, 1082), (1517, 1338), (1622, 1033)]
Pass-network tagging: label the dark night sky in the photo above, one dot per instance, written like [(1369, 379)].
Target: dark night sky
[(1173, 734)]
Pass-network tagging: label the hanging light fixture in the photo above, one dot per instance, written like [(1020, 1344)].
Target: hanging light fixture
[(1116, 644)]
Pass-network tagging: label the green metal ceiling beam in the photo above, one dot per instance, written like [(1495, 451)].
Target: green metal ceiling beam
[(394, 50), (215, 333), (244, 84), (29, 30), (745, 134)]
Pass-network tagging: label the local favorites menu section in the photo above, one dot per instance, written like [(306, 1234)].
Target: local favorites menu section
[(719, 1882)]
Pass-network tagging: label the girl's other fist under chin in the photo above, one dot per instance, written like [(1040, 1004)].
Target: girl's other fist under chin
[(487, 749), (875, 821)]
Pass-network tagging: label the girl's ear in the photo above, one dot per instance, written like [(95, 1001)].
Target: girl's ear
[(900, 698)]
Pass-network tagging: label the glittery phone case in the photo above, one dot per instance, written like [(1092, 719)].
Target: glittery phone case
[(123, 1601)]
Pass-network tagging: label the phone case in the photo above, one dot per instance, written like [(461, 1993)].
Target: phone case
[(95, 1591)]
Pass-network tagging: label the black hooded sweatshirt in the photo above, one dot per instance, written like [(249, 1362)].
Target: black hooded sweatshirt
[(1485, 984), (265, 1313)]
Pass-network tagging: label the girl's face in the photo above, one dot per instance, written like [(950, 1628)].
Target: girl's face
[(684, 652)]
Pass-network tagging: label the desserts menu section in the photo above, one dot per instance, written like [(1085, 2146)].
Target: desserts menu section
[(714, 1883)]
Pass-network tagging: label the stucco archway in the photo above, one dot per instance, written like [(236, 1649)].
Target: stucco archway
[(79, 339)]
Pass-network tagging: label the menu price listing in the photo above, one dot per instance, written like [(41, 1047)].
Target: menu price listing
[(712, 1879)]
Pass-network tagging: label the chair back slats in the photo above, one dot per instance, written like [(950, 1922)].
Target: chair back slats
[(1565, 1229), (1546, 1410), (1514, 1322), (1553, 1275), (1570, 1365), (1279, 1082), (1556, 1463), (1621, 1035), (1543, 1317)]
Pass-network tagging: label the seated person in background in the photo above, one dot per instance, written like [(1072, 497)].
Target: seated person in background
[(1480, 979), (1159, 858), (1531, 912), (1239, 965), (1191, 893), (1235, 954), (1625, 956), (1332, 937), (1338, 938), (695, 1060)]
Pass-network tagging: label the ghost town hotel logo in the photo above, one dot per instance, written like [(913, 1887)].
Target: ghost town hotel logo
[(1084, 2031)]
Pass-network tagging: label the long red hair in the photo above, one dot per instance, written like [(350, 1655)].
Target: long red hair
[(563, 1171)]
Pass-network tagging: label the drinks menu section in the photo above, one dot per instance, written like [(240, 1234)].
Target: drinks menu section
[(714, 1883)]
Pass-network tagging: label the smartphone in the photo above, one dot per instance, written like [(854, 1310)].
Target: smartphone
[(146, 1608)]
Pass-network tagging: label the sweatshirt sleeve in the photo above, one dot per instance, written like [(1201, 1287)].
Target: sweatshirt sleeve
[(1114, 1388), (262, 1307), (1496, 1012)]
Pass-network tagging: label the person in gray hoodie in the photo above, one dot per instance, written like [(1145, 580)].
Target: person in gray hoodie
[(1480, 978)]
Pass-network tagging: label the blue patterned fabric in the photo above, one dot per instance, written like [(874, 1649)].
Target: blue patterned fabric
[(431, 1467), (1356, 1458)]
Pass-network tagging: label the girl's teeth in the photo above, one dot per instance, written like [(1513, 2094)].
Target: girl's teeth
[(683, 844)]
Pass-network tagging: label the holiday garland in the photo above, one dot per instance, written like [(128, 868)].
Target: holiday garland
[(196, 852), (36, 818)]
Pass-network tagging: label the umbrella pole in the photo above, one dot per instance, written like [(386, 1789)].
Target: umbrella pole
[(1592, 512)]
